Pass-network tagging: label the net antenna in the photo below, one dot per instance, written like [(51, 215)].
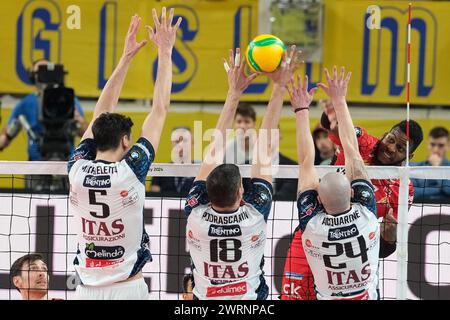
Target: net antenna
[(408, 81)]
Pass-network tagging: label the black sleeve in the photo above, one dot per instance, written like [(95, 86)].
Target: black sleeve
[(140, 157), (386, 248), (85, 150), (364, 194), (260, 196), (197, 196), (308, 206)]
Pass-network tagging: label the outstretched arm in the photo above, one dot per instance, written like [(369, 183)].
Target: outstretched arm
[(163, 36), (301, 100), (262, 164), (337, 90), (111, 92), (237, 83)]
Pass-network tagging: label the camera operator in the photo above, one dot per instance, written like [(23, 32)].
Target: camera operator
[(26, 115)]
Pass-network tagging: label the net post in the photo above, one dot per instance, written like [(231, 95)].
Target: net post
[(402, 235)]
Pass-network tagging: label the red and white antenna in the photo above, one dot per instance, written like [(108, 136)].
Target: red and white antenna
[(408, 80)]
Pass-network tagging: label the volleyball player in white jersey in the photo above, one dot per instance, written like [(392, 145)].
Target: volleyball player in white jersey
[(338, 218), (107, 178), (226, 228)]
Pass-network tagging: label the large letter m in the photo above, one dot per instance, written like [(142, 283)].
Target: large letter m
[(385, 52)]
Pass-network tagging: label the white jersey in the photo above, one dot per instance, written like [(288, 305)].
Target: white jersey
[(227, 249), (107, 201), (342, 250)]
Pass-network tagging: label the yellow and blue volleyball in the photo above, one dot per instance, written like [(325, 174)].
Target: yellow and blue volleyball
[(264, 53)]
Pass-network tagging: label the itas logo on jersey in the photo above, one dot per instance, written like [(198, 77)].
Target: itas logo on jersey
[(103, 253), (233, 230), (97, 181), (235, 289), (343, 233)]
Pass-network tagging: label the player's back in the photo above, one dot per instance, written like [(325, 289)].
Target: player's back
[(227, 249), (342, 251), (107, 200)]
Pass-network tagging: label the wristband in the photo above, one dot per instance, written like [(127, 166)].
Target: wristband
[(300, 109)]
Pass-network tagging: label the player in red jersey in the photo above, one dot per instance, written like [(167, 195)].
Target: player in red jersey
[(390, 150)]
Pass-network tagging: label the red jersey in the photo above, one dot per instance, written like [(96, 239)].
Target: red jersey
[(386, 190)]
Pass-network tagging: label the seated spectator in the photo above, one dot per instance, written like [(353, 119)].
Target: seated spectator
[(29, 274), (188, 286), (433, 190), (181, 139), (240, 149), (325, 147)]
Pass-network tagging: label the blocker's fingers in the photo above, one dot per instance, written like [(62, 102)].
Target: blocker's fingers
[(237, 57), (231, 62), (226, 66)]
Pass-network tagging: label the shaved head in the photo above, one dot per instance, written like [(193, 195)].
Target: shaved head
[(335, 193)]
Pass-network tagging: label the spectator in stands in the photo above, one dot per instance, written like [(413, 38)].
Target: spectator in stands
[(325, 147), (29, 274), (29, 108), (433, 190), (240, 149), (188, 282), (181, 139)]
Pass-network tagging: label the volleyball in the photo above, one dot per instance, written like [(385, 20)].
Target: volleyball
[(264, 53)]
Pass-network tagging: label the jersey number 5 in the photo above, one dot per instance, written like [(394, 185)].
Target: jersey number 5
[(93, 201)]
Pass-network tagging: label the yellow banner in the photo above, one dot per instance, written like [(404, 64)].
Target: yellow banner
[(36, 29)]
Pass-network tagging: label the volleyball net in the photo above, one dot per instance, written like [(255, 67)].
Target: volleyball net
[(34, 218)]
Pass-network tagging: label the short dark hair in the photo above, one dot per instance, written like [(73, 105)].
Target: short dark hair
[(439, 132), (223, 184), (17, 267), (415, 133), (246, 110), (186, 279), (109, 128)]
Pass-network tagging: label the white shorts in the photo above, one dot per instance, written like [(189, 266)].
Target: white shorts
[(129, 290)]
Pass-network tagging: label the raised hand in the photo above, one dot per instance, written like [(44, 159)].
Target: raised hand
[(131, 45), (164, 33), (290, 63), (300, 97), (337, 86), (238, 81), (389, 227)]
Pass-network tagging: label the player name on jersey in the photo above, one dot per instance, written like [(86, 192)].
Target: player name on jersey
[(337, 221), (223, 219), (99, 169)]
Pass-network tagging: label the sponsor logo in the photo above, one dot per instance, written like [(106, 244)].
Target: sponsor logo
[(124, 193), (103, 253), (308, 243), (224, 231), (102, 231), (96, 263), (97, 181), (258, 240), (133, 198), (190, 234), (371, 235), (135, 155), (343, 233), (309, 211), (293, 290), (192, 201), (236, 289)]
